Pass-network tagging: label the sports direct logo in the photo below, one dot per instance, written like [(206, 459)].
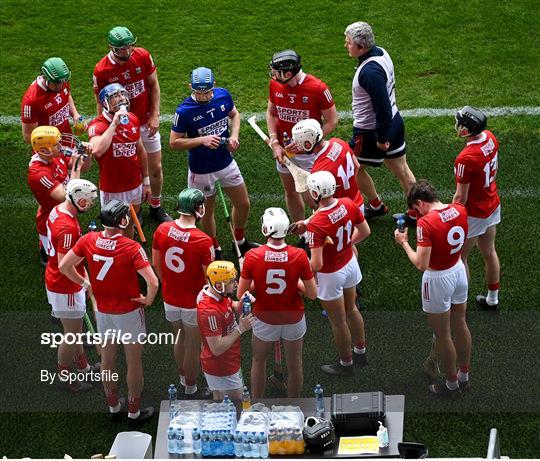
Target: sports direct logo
[(338, 214), (214, 128), (135, 89), (59, 117), (287, 114), (124, 149)]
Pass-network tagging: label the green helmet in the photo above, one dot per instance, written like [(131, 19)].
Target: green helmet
[(120, 36), (189, 200), (55, 70)]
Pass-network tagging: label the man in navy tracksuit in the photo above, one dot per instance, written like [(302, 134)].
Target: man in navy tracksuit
[(378, 129)]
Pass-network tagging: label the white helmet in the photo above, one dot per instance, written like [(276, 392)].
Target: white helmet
[(275, 223), (78, 189), (322, 183), (307, 133)]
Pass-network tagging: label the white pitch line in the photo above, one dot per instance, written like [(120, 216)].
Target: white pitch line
[(347, 115), (531, 193)]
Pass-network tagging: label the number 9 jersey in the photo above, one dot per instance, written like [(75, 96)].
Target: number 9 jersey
[(445, 232)]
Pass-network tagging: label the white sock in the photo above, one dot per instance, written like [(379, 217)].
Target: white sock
[(240, 242), (462, 377), (346, 364), (134, 415), (84, 370), (191, 389), (492, 297), (115, 409), (304, 235), (183, 380), (359, 351), (452, 385)]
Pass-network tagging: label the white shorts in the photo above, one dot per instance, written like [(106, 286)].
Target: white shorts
[(179, 314), (65, 306), (225, 383), (271, 333), (133, 196), (441, 289), (331, 285), (129, 328), (479, 226), (304, 161), (230, 176), (152, 144), (44, 241)]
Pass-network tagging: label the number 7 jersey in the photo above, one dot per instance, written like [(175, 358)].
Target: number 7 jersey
[(476, 165), (445, 231)]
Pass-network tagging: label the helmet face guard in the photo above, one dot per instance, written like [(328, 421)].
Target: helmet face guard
[(306, 134), (115, 214), (274, 223), (81, 189), (113, 96), (121, 42), (202, 85), (222, 277), (322, 184), (56, 72), (284, 62), (470, 121)]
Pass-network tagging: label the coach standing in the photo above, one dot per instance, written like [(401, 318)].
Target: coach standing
[(135, 70), (378, 129)]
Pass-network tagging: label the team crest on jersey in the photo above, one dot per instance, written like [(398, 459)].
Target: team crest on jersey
[(138, 70), (177, 235), (222, 107), (276, 256), (338, 214), (106, 244), (305, 99), (488, 148), (448, 215), (126, 75)]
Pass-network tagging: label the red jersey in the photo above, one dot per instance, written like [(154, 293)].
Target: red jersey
[(337, 158), (113, 263), (63, 231), (336, 221), (216, 318), (119, 166), (43, 178), (294, 103), (46, 107), (445, 232), (275, 272), (476, 165), (132, 75), (184, 252)]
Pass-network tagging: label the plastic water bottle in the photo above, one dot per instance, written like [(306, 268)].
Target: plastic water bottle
[(382, 436), (124, 119), (229, 445), (223, 141), (400, 222), (255, 450), (92, 227), (172, 399), (286, 139), (246, 446), (238, 452), (179, 440), (196, 441), (246, 399), (205, 442), (246, 305), (214, 443), (319, 399), (78, 126), (263, 445), (171, 440)]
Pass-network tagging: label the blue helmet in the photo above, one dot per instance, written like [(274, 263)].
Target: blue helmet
[(110, 90), (202, 79)]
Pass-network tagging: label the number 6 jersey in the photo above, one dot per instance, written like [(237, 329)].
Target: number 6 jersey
[(445, 231)]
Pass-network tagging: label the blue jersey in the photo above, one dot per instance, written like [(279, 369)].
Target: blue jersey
[(198, 119)]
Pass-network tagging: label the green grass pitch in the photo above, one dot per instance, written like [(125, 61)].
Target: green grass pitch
[(447, 54)]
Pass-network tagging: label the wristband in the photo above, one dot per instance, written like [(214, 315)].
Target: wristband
[(85, 284), (239, 329), (272, 135), (146, 181), (273, 141)]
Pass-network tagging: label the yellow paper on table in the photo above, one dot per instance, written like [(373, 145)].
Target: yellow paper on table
[(364, 445)]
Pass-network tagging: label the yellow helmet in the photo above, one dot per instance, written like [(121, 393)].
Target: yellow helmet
[(221, 272), (45, 137)]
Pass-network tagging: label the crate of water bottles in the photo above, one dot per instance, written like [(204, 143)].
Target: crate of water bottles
[(184, 431), (251, 435), (285, 436), (218, 426)]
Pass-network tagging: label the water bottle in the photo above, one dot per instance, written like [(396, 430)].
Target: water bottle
[(246, 446), (286, 139), (171, 440), (272, 441), (319, 399), (179, 433), (382, 436), (246, 399), (206, 451), (299, 445), (223, 141), (196, 441), (92, 227), (246, 305), (229, 445), (238, 452), (263, 445), (124, 119), (255, 450), (400, 222), (78, 126), (172, 399), (226, 401)]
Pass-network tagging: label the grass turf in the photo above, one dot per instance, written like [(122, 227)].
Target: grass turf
[(443, 57)]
